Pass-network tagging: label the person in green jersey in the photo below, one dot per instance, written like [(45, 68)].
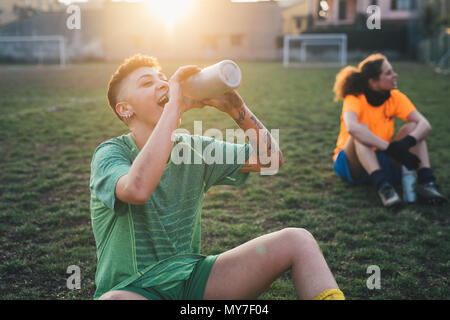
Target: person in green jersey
[(146, 205)]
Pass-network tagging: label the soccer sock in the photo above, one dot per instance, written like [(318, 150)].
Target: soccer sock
[(425, 175), (377, 178), (330, 294)]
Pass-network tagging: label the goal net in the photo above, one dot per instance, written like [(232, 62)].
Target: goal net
[(33, 49), (322, 49)]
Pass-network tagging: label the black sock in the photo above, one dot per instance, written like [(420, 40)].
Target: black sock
[(377, 178), (425, 175)]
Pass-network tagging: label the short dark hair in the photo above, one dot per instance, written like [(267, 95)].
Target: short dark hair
[(128, 66)]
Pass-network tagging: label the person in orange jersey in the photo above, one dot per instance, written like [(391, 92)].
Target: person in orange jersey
[(365, 151)]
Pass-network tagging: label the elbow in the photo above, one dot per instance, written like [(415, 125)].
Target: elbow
[(142, 197), (428, 127), (425, 128), (280, 159), (357, 130), (139, 201), (269, 165), (137, 195), (276, 160), (351, 130)]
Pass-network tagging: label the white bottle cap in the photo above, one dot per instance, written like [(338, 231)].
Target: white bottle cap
[(230, 74), (213, 81)]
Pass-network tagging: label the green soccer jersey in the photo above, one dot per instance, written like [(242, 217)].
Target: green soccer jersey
[(157, 242)]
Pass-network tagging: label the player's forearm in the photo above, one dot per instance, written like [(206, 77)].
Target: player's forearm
[(421, 130), (149, 165), (363, 134), (263, 143)]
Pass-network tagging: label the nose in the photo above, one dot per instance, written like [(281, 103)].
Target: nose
[(163, 84)]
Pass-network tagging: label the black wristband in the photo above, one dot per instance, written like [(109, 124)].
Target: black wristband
[(410, 141)]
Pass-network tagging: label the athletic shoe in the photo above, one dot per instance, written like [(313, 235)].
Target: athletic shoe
[(389, 196), (429, 194)]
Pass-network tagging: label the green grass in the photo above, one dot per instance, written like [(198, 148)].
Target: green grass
[(53, 119)]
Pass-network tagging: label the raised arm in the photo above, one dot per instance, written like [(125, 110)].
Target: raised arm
[(266, 149)]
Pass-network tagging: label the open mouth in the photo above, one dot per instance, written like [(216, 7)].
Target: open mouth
[(163, 100)]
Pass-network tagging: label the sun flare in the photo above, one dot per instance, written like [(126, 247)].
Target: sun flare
[(169, 10)]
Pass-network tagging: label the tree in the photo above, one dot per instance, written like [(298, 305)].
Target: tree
[(435, 14)]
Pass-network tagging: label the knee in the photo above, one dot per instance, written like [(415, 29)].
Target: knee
[(361, 148), (121, 295), (113, 295), (299, 238)]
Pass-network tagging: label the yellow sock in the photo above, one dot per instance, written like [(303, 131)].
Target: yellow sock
[(330, 294)]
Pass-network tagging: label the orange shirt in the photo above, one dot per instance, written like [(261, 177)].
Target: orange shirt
[(380, 120)]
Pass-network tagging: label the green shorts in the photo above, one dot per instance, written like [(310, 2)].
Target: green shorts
[(190, 289)]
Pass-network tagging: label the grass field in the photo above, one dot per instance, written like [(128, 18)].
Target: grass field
[(53, 119)]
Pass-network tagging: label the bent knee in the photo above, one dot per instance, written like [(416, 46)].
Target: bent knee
[(112, 295), (121, 295), (299, 237)]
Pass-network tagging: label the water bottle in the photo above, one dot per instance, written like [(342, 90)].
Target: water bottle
[(408, 182), (213, 81)]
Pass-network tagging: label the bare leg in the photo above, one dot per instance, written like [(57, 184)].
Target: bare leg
[(121, 295), (359, 158), (246, 271), (367, 157)]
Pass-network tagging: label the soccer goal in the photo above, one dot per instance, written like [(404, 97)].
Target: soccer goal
[(301, 49), (34, 48)]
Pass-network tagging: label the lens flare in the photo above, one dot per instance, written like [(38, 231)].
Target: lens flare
[(169, 10)]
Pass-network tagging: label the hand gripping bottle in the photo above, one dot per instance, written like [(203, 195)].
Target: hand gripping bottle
[(213, 81), (408, 182)]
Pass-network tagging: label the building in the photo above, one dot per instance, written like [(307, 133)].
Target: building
[(211, 30), (296, 17), (324, 13), (397, 36), (11, 10)]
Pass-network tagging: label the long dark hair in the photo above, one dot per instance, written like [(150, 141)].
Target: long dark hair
[(352, 80)]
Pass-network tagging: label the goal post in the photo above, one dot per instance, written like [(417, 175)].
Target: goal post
[(60, 41), (338, 40)]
